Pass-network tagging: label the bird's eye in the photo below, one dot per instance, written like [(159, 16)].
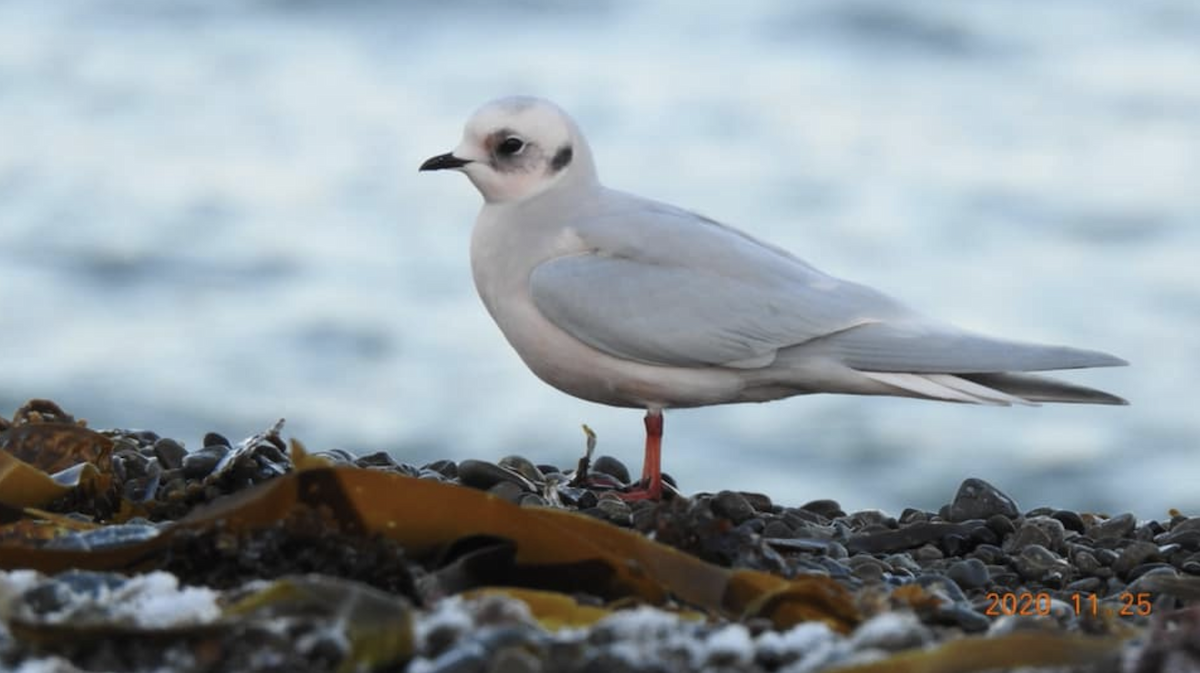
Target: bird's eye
[(510, 146)]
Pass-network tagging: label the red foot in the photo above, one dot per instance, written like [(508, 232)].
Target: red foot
[(650, 487)]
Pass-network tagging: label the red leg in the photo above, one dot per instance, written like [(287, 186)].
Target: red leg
[(650, 487)]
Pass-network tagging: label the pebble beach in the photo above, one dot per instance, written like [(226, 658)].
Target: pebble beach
[(982, 567)]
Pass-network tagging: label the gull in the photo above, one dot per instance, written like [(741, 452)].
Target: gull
[(621, 300)]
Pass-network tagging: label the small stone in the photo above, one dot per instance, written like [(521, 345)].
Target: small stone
[(1134, 554), (1001, 525), (904, 561), (1038, 564), (1086, 563), (444, 467), (965, 618), (892, 632), (1155, 580), (612, 467), (886, 540), (377, 459), (927, 553), (776, 528), (1148, 568), (514, 659), (977, 499), (531, 500), (1117, 527), (732, 506), (942, 587), (1054, 530), (761, 502), (1186, 534), (643, 518), (338, 456), (169, 453), (1003, 577), (1070, 520), (524, 467), (968, 573), (830, 509), (910, 515), (201, 463), (507, 490), (483, 475), (1087, 585), (990, 554), (615, 510), (214, 439), (867, 568), (871, 517), (1026, 535)]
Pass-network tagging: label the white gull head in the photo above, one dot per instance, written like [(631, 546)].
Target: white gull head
[(517, 147)]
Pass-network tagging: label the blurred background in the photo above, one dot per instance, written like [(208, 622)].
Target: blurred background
[(211, 217)]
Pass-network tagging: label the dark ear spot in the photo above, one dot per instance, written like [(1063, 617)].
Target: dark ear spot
[(561, 158)]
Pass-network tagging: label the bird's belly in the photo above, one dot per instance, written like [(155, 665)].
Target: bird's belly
[(577, 369)]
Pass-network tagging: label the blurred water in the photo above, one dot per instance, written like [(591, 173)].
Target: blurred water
[(210, 217)]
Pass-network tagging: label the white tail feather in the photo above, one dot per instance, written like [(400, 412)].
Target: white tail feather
[(946, 387)]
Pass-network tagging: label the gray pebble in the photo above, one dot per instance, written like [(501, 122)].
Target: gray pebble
[(867, 568), (990, 554), (1001, 525), (1054, 529), (169, 453), (732, 506), (903, 561), (1147, 568), (891, 632), (1087, 585), (965, 618), (532, 500), (200, 463), (871, 517), (612, 467), (1086, 563), (643, 518), (215, 439), (1070, 520), (761, 502), (1188, 538), (830, 509), (377, 459), (927, 553), (1025, 536), (776, 528), (514, 659), (969, 573), (507, 490), (942, 587), (977, 499), (1038, 564), (1152, 580), (1003, 576), (484, 475), (615, 510), (524, 467), (1134, 554), (444, 467), (1117, 527)]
